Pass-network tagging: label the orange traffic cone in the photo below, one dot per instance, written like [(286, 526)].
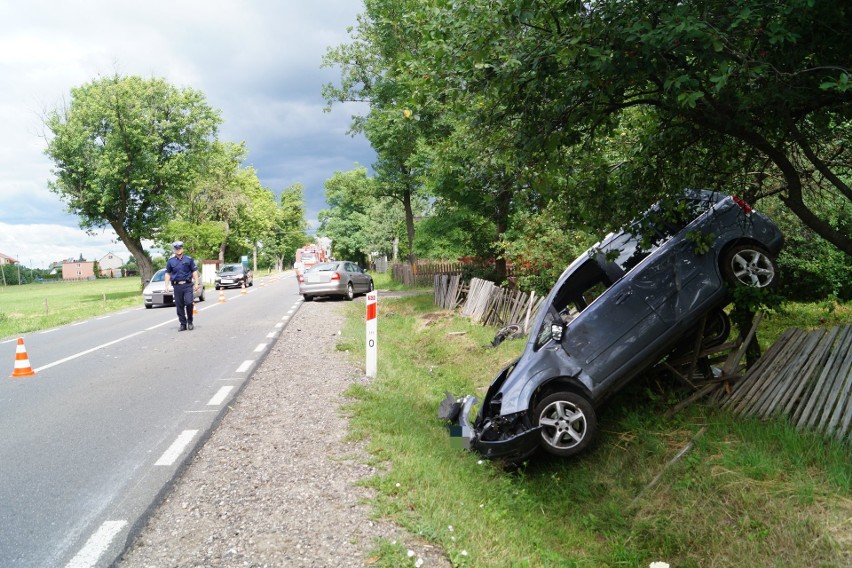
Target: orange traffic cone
[(22, 362), (221, 296), (244, 288), (194, 309)]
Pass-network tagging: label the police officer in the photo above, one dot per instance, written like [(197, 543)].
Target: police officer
[(182, 272)]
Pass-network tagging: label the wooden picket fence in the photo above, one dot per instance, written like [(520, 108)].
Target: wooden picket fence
[(486, 303), (806, 376), (424, 273)]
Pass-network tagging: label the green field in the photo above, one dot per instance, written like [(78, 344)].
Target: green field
[(32, 307)]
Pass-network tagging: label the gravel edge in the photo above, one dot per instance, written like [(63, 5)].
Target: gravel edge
[(277, 483)]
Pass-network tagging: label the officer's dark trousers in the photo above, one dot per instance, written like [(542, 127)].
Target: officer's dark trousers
[(183, 302)]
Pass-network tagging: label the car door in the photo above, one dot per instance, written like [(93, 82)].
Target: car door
[(606, 321), (356, 276)]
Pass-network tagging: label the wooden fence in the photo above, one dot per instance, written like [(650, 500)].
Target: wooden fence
[(486, 303), (806, 376), (423, 273)]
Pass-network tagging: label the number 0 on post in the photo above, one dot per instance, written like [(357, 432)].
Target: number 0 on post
[(372, 335)]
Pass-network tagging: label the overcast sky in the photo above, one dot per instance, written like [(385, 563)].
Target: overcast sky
[(258, 62)]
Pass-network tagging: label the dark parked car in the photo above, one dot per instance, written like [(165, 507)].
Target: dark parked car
[(614, 312), (337, 278), (154, 292), (231, 275)]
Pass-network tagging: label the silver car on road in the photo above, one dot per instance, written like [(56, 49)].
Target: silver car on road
[(154, 292), (337, 278)]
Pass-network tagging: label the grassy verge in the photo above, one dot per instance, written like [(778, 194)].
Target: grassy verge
[(749, 493), (32, 307)]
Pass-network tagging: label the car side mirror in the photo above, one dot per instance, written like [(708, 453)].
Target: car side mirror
[(556, 331)]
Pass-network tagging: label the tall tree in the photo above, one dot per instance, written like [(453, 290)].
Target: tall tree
[(289, 229), (125, 150), (748, 93), (370, 72), (349, 197)]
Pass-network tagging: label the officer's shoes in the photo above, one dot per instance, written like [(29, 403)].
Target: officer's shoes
[(190, 326), (182, 328)]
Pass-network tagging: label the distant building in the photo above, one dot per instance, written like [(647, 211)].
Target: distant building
[(78, 270), (55, 268), (110, 266), (6, 259)]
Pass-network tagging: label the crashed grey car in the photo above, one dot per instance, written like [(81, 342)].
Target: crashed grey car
[(615, 311)]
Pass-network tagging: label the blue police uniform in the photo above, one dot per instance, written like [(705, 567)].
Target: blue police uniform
[(180, 272)]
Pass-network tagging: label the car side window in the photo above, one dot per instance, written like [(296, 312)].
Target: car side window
[(580, 289)]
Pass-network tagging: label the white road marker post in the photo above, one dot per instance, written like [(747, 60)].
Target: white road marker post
[(372, 334)]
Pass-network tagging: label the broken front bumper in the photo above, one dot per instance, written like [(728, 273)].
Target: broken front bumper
[(462, 434)]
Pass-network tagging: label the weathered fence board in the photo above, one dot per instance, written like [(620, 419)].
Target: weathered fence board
[(806, 376)]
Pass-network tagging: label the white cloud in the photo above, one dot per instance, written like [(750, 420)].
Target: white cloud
[(258, 62)]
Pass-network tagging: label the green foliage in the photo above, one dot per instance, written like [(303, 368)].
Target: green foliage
[(541, 245), (349, 197), (288, 230), (605, 107)]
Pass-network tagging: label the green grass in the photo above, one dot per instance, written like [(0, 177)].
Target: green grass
[(749, 493), (32, 307)]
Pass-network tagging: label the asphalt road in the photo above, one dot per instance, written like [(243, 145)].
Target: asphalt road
[(116, 407)]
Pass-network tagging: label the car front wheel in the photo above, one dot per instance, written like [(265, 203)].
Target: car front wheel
[(749, 265), (568, 423)]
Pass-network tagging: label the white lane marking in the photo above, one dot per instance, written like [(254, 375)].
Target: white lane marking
[(260, 347), (49, 330), (86, 352), (220, 396), (279, 325), (173, 453), (103, 318), (96, 545), (245, 366), (167, 322), (79, 323), (271, 335)]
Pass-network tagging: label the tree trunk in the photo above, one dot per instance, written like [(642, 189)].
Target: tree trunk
[(143, 259), (409, 226), (222, 245)]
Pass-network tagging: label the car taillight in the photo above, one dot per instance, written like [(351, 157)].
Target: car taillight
[(742, 203), (335, 276), (301, 278)]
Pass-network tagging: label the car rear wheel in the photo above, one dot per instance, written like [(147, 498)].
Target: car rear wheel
[(749, 265), (201, 296), (568, 423), (350, 292), (308, 298)]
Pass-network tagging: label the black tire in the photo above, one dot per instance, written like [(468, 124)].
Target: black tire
[(201, 296), (717, 329), (350, 292), (308, 298), (149, 306), (749, 265), (217, 287), (370, 289), (569, 421)]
